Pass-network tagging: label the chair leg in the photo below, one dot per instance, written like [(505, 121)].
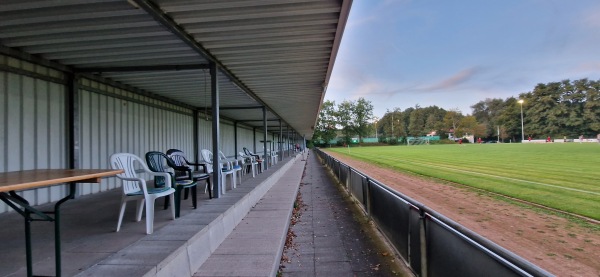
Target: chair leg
[(186, 194), (139, 209), (150, 216), (121, 213), (208, 185), (177, 200), (223, 183), (166, 203), (194, 196), (172, 196)]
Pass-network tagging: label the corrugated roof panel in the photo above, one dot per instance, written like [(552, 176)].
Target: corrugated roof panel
[(281, 50)]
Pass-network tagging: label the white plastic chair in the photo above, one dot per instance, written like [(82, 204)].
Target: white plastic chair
[(135, 188), (207, 157), (232, 164), (258, 159), (273, 155), (251, 162)]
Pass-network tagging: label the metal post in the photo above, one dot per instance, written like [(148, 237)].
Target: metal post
[(265, 158), (423, 242), (280, 146), (73, 111), (287, 139), (195, 136), (522, 129), (235, 139), (214, 92), (254, 140)]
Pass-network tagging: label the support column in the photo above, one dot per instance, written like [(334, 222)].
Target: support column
[(304, 143), (195, 136), (287, 139), (73, 113), (265, 157), (295, 140), (235, 140), (254, 140), (279, 142), (216, 132)]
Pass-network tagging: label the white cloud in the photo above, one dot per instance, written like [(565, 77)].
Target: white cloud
[(455, 80), (591, 18)]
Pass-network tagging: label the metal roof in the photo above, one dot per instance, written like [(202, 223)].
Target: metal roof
[(276, 53)]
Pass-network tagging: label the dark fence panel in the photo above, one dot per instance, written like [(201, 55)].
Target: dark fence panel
[(431, 244), (448, 250), (357, 187), (391, 213), (343, 177), (414, 223)]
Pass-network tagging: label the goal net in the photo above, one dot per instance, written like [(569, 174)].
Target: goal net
[(417, 141)]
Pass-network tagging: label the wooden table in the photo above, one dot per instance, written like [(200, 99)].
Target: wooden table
[(30, 179)]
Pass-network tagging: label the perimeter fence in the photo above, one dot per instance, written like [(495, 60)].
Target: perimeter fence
[(430, 243)]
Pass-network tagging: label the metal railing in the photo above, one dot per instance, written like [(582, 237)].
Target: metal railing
[(430, 243)]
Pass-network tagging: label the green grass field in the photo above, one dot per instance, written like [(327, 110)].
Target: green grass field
[(561, 176)]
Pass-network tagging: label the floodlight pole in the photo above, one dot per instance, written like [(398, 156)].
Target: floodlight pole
[(392, 124), (522, 129)]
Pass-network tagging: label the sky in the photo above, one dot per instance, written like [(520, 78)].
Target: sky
[(453, 54)]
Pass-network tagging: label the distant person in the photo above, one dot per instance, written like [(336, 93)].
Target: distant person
[(548, 139), (479, 140), (581, 139), (529, 138)]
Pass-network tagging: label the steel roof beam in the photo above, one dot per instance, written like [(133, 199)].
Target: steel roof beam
[(143, 68), (241, 108), (178, 31), (255, 120)]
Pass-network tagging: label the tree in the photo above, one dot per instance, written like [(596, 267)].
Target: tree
[(487, 112), (344, 119), (326, 123), (416, 122), (509, 120), (362, 115), (390, 123), (354, 117), (452, 121), (468, 126), (435, 120), (591, 108)]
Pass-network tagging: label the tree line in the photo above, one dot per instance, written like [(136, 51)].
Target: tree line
[(556, 109)]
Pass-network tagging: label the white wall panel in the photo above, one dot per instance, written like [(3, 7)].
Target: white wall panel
[(227, 139), (245, 138), (111, 120), (110, 125), (31, 126)]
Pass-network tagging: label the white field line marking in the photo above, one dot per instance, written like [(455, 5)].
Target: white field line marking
[(508, 178)]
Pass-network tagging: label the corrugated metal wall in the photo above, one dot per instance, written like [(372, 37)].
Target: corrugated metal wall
[(245, 137), (131, 123), (33, 131), (32, 124)]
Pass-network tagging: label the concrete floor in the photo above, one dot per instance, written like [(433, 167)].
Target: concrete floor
[(88, 226), (239, 234)]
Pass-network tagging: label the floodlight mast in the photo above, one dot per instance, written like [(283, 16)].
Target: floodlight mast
[(522, 129)]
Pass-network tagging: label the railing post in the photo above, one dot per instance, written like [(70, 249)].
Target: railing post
[(368, 197), (423, 242), (348, 179)]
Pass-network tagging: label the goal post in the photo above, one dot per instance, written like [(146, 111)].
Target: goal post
[(417, 141)]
